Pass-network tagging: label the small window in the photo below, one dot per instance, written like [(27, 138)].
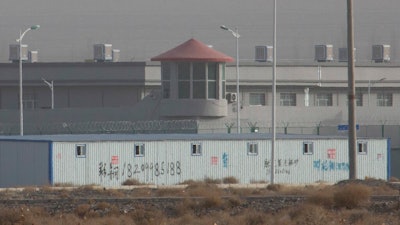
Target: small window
[(359, 99), (139, 150), (323, 99), (80, 151), (196, 149), (257, 98), (308, 148), (288, 99), (385, 99), (252, 148), (362, 147)]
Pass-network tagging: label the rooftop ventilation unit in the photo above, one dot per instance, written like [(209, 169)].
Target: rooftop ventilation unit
[(33, 56), (102, 52), (263, 53), (344, 56), (115, 55), (381, 53), (14, 53), (323, 53)]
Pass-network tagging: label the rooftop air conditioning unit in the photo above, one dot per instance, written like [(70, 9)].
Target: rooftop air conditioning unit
[(381, 53), (33, 56), (115, 55), (14, 53), (263, 53), (231, 97), (323, 53), (102, 52), (344, 56)]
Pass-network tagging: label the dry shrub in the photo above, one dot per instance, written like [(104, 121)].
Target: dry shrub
[(255, 218), (170, 192), (309, 215), (213, 200), (146, 216), (82, 211), (202, 189), (131, 182), (212, 181), (181, 208), (351, 196), (274, 187), (63, 185), (114, 193), (323, 198), (233, 201), (29, 190), (11, 216), (230, 180)]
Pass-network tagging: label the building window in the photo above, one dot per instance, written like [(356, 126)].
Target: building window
[(252, 148), (80, 151), (385, 99), (323, 99), (308, 148), (257, 98), (359, 99), (362, 147), (29, 100), (139, 150), (166, 79), (196, 149), (288, 99)]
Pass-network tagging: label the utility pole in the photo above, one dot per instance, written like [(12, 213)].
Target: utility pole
[(351, 94)]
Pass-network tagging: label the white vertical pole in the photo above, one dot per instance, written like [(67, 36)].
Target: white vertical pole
[(273, 100)]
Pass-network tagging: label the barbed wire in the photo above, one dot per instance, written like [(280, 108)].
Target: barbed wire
[(103, 127)]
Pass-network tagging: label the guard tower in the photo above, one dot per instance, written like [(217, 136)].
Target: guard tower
[(193, 81)]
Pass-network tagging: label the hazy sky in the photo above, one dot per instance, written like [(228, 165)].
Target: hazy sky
[(143, 29)]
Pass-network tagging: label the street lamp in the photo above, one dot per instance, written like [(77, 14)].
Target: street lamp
[(237, 36), (273, 144), (370, 84), (51, 86), (21, 109)]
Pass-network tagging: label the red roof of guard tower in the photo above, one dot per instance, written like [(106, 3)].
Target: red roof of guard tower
[(193, 50)]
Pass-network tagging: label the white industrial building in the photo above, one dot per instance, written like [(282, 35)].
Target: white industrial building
[(168, 159)]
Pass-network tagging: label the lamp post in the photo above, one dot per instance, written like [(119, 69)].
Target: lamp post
[(370, 85), (51, 86), (237, 36), (21, 109), (273, 145)]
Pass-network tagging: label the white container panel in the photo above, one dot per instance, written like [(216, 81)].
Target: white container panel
[(171, 162), (373, 163)]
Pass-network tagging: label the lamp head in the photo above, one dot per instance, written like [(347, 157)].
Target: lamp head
[(35, 27), (223, 27)]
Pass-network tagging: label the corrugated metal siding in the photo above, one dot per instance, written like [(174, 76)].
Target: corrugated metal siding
[(171, 162), (24, 163)]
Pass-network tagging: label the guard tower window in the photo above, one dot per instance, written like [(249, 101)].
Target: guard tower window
[(166, 79), (198, 80), (80, 151)]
